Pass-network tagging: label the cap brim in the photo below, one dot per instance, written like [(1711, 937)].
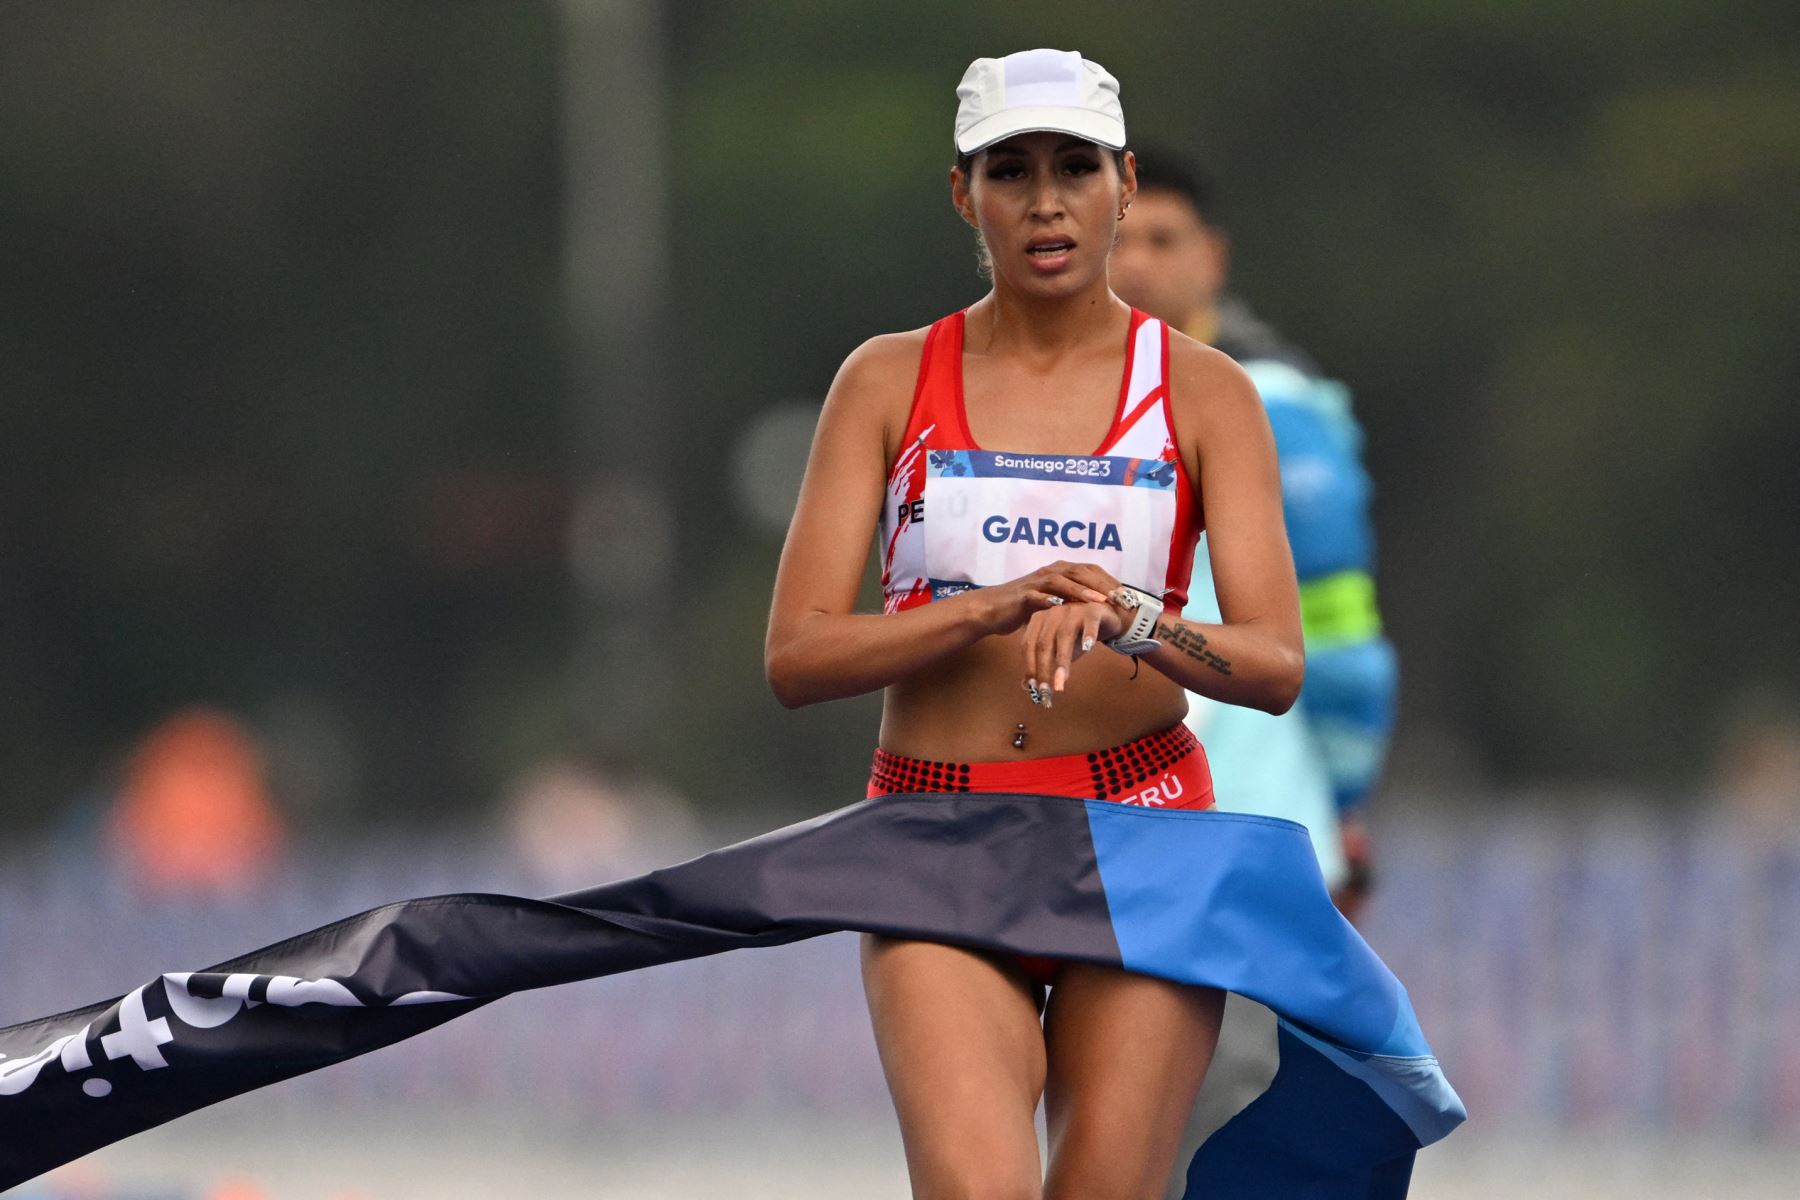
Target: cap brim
[(1079, 122)]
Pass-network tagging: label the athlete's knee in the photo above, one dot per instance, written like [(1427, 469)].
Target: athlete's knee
[(977, 1181), (1104, 1180), (1095, 1164)]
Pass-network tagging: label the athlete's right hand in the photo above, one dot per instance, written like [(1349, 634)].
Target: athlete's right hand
[(1008, 606)]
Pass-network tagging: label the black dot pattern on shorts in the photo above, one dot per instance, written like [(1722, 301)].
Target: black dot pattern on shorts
[(1125, 768), (897, 773)]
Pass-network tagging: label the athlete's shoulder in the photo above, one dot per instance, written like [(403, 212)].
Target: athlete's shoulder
[(884, 359), (874, 387), (1205, 384)]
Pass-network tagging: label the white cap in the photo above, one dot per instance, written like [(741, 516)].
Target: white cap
[(1033, 91)]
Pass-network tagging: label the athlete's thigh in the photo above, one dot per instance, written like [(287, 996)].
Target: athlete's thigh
[(1126, 1057), (1241, 1068), (963, 1051)]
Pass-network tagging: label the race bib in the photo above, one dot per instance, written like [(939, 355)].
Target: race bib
[(990, 517)]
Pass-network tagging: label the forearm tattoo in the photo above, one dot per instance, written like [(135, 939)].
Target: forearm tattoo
[(1192, 643)]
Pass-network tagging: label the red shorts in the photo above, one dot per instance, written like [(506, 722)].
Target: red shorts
[(1160, 770)]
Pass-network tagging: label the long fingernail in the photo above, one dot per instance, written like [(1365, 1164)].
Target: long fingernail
[(1097, 597), (1047, 701), (1087, 644), (1061, 678), (1031, 686)]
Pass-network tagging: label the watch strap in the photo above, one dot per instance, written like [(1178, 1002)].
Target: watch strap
[(1145, 609)]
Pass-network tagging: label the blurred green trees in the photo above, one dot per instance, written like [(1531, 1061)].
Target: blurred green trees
[(279, 332)]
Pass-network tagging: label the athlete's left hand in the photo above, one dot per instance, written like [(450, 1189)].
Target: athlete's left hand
[(1055, 637)]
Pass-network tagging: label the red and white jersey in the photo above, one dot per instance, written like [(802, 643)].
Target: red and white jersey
[(960, 516)]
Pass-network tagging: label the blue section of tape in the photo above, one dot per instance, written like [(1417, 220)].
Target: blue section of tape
[(1358, 1091), (1315, 1133), (1261, 922)]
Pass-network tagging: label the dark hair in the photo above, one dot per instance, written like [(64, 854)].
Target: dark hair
[(966, 162), (1161, 169)]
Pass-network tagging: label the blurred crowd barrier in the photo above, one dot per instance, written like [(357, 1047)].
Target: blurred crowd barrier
[(1597, 969), (1601, 968)]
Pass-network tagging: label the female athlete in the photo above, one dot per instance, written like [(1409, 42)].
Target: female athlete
[(1037, 466)]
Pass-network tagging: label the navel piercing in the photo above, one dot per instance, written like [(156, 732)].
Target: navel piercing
[(1019, 737)]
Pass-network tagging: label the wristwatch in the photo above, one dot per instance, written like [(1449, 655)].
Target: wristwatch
[(1144, 609)]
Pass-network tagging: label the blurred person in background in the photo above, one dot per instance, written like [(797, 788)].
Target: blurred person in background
[(1316, 763), (989, 649), (1755, 777), (571, 821)]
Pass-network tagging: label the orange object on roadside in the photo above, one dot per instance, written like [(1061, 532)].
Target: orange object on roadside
[(194, 813), (237, 1188)]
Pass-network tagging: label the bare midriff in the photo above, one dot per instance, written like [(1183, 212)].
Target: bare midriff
[(968, 707)]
